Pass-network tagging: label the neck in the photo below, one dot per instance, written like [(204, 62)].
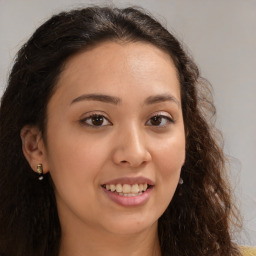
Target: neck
[(90, 242)]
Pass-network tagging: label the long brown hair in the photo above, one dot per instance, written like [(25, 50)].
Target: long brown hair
[(197, 221)]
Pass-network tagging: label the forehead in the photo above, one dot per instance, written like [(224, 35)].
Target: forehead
[(113, 67)]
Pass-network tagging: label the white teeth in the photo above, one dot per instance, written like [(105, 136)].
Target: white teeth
[(135, 188), (131, 194), (112, 187), (127, 189), (119, 188)]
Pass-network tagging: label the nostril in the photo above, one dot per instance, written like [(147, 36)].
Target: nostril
[(124, 162)]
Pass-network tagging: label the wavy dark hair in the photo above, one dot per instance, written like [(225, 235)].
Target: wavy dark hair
[(197, 221)]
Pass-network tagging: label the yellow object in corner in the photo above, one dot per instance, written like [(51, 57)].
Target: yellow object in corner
[(248, 251)]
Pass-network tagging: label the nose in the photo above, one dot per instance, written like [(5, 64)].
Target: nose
[(131, 148)]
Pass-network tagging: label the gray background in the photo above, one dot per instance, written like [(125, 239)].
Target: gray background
[(220, 35)]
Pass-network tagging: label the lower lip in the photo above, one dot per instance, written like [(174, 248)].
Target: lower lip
[(129, 200)]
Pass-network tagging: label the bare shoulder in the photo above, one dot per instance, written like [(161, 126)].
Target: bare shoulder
[(248, 251)]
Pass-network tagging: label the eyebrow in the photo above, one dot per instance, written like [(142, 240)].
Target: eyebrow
[(161, 98), (98, 97), (115, 100)]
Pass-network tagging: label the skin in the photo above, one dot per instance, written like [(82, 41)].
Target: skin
[(81, 157)]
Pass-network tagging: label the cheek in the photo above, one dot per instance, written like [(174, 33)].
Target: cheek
[(171, 154), (170, 159), (75, 167), (76, 159)]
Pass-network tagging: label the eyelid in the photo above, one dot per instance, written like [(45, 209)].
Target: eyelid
[(89, 115), (163, 114)]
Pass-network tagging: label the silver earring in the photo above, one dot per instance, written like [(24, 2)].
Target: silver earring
[(39, 170), (181, 181)]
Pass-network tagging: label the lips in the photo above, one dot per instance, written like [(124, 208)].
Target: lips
[(128, 191)]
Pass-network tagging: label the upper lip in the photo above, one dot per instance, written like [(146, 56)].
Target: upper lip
[(130, 181)]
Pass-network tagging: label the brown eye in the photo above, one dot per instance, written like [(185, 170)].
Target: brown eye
[(156, 120), (159, 120), (95, 121)]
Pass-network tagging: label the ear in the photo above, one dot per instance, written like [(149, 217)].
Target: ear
[(33, 147)]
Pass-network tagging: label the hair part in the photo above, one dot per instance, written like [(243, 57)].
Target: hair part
[(197, 220)]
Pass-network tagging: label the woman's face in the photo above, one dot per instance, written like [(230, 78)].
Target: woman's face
[(115, 129)]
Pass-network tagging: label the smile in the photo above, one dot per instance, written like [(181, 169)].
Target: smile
[(127, 189)]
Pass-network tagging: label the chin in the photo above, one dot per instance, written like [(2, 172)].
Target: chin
[(131, 225)]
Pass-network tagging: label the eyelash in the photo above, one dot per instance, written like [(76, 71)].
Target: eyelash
[(168, 120), (84, 121)]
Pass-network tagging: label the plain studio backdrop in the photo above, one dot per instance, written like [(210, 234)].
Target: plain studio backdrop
[(220, 35)]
